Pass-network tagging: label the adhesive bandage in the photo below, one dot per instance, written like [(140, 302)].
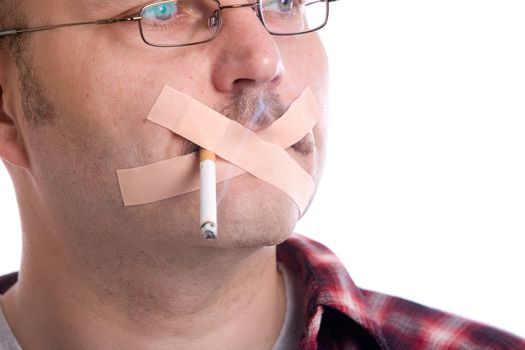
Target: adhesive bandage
[(239, 150)]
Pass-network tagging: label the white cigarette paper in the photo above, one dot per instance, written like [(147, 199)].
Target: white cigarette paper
[(208, 195)]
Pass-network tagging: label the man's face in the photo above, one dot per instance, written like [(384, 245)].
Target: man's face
[(98, 83)]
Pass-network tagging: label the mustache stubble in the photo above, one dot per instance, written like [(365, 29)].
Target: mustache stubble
[(256, 110)]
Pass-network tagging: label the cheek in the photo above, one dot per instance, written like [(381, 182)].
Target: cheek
[(320, 155), (102, 107), (115, 90), (305, 62)]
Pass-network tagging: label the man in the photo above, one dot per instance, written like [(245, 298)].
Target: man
[(97, 274)]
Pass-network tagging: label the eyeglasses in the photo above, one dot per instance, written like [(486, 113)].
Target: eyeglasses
[(190, 22)]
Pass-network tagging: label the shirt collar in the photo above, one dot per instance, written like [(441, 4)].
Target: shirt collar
[(327, 285)]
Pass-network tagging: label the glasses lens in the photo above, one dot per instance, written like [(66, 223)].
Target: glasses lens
[(183, 22), (294, 16)]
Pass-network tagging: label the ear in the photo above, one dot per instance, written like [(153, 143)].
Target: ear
[(12, 147)]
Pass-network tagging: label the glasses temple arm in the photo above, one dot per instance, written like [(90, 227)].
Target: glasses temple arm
[(49, 27)]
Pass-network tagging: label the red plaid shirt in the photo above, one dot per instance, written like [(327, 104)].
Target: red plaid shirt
[(342, 316)]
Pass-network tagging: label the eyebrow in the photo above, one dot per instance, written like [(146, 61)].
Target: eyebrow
[(94, 5)]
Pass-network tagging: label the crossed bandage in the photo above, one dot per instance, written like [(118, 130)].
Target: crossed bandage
[(241, 150)]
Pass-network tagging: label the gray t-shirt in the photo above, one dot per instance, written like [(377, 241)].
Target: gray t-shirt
[(293, 326), (288, 339)]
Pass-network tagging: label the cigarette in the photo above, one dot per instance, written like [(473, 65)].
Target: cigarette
[(208, 193)]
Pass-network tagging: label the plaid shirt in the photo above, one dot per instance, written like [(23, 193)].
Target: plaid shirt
[(342, 316)]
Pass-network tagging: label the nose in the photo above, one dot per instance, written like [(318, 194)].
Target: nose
[(248, 56)]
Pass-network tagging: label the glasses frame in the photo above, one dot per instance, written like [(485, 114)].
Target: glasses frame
[(257, 6)]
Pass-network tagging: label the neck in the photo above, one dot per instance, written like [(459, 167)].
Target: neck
[(147, 298)]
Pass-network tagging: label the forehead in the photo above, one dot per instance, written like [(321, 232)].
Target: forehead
[(83, 6)]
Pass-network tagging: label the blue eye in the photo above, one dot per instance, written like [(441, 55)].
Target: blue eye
[(281, 6), (162, 12), (286, 5)]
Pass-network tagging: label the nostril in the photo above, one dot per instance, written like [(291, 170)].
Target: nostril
[(242, 83), (278, 77)]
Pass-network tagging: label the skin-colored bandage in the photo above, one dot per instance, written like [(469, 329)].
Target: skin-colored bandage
[(261, 154)]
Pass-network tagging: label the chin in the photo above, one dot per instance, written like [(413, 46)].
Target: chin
[(252, 213)]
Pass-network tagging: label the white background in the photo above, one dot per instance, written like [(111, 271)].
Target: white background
[(424, 190)]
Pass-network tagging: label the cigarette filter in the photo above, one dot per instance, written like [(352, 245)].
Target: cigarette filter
[(208, 195)]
